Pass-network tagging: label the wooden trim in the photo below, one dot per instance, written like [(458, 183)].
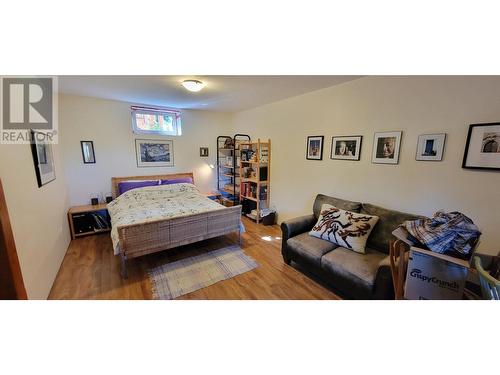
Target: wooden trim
[(398, 257), (11, 278), (87, 208), (116, 180)]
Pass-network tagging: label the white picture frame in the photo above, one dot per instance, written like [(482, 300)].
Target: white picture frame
[(154, 153), (386, 147), (430, 147)]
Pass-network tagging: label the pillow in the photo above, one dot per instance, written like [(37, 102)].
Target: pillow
[(157, 181), (125, 186), (344, 228), (187, 180)]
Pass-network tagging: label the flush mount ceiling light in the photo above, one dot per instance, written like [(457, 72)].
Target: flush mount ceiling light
[(193, 85)]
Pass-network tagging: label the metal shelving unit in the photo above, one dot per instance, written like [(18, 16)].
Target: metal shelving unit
[(228, 167)]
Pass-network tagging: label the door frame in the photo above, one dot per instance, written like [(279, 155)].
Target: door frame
[(11, 278)]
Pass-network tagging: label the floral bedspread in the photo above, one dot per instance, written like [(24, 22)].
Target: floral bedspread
[(151, 203)]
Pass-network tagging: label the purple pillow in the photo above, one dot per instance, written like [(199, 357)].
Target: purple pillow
[(129, 185), (187, 180)]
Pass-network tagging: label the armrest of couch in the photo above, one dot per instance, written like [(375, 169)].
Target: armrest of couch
[(293, 227), (384, 287)]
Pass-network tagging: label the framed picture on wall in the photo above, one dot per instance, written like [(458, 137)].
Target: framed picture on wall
[(482, 149), (203, 152), (386, 147), (43, 159), (154, 153), (314, 147), (88, 152), (430, 147), (346, 148)]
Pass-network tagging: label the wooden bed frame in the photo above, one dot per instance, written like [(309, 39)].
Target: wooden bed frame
[(147, 238)]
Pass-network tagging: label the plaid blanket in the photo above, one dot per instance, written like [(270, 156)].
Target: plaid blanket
[(451, 232)]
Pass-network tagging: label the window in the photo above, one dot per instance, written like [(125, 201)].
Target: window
[(156, 121)]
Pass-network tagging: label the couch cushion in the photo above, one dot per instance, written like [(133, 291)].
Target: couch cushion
[(321, 199), (344, 228), (389, 220), (310, 248), (357, 269)]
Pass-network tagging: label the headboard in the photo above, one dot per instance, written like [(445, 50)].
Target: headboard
[(116, 180)]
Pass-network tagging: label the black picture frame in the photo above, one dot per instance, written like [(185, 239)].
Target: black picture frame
[(468, 147), (204, 152), (357, 138), (91, 158), (43, 159), (310, 138)]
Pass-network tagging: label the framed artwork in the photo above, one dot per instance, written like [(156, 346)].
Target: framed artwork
[(203, 152), (430, 147), (43, 159), (88, 152), (482, 149), (386, 147), (315, 147), (346, 148), (154, 153)]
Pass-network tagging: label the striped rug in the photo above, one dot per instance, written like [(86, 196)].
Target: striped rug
[(184, 276)]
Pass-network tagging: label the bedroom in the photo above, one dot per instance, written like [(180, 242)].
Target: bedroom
[(101, 151), (281, 194)]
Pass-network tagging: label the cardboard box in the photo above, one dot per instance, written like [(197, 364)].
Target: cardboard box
[(432, 275)]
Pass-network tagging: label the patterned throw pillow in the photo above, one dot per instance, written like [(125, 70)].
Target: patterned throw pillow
[(344, 228)]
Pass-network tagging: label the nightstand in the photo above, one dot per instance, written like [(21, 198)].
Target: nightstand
[(88, 219), (213, 195)]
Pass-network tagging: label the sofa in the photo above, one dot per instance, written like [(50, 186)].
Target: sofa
[(350, 274)]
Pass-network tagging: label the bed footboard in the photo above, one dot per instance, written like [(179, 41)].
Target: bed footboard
[(141, 239)]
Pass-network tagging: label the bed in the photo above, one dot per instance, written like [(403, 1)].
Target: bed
[(150, 219)]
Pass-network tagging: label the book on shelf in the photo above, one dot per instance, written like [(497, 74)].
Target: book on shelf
[(243, 187)]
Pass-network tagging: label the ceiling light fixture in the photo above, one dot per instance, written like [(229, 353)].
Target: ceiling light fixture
[(193, 85)]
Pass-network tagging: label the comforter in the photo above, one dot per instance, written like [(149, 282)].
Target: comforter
[(152, 203)]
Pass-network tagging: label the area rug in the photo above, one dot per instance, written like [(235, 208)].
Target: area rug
[(184, 276)]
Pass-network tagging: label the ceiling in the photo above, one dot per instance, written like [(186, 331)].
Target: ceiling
[(222, 93)]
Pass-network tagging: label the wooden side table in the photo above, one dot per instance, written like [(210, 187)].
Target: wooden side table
[(214, 195), (87, 210)]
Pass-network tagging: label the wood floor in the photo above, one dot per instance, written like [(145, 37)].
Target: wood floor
[(91, 271)]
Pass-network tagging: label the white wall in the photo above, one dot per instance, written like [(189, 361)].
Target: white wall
[(38, 217), (415, 105), (108, 124)]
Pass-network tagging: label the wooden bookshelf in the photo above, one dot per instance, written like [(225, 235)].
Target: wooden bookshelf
[(254, 183)]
